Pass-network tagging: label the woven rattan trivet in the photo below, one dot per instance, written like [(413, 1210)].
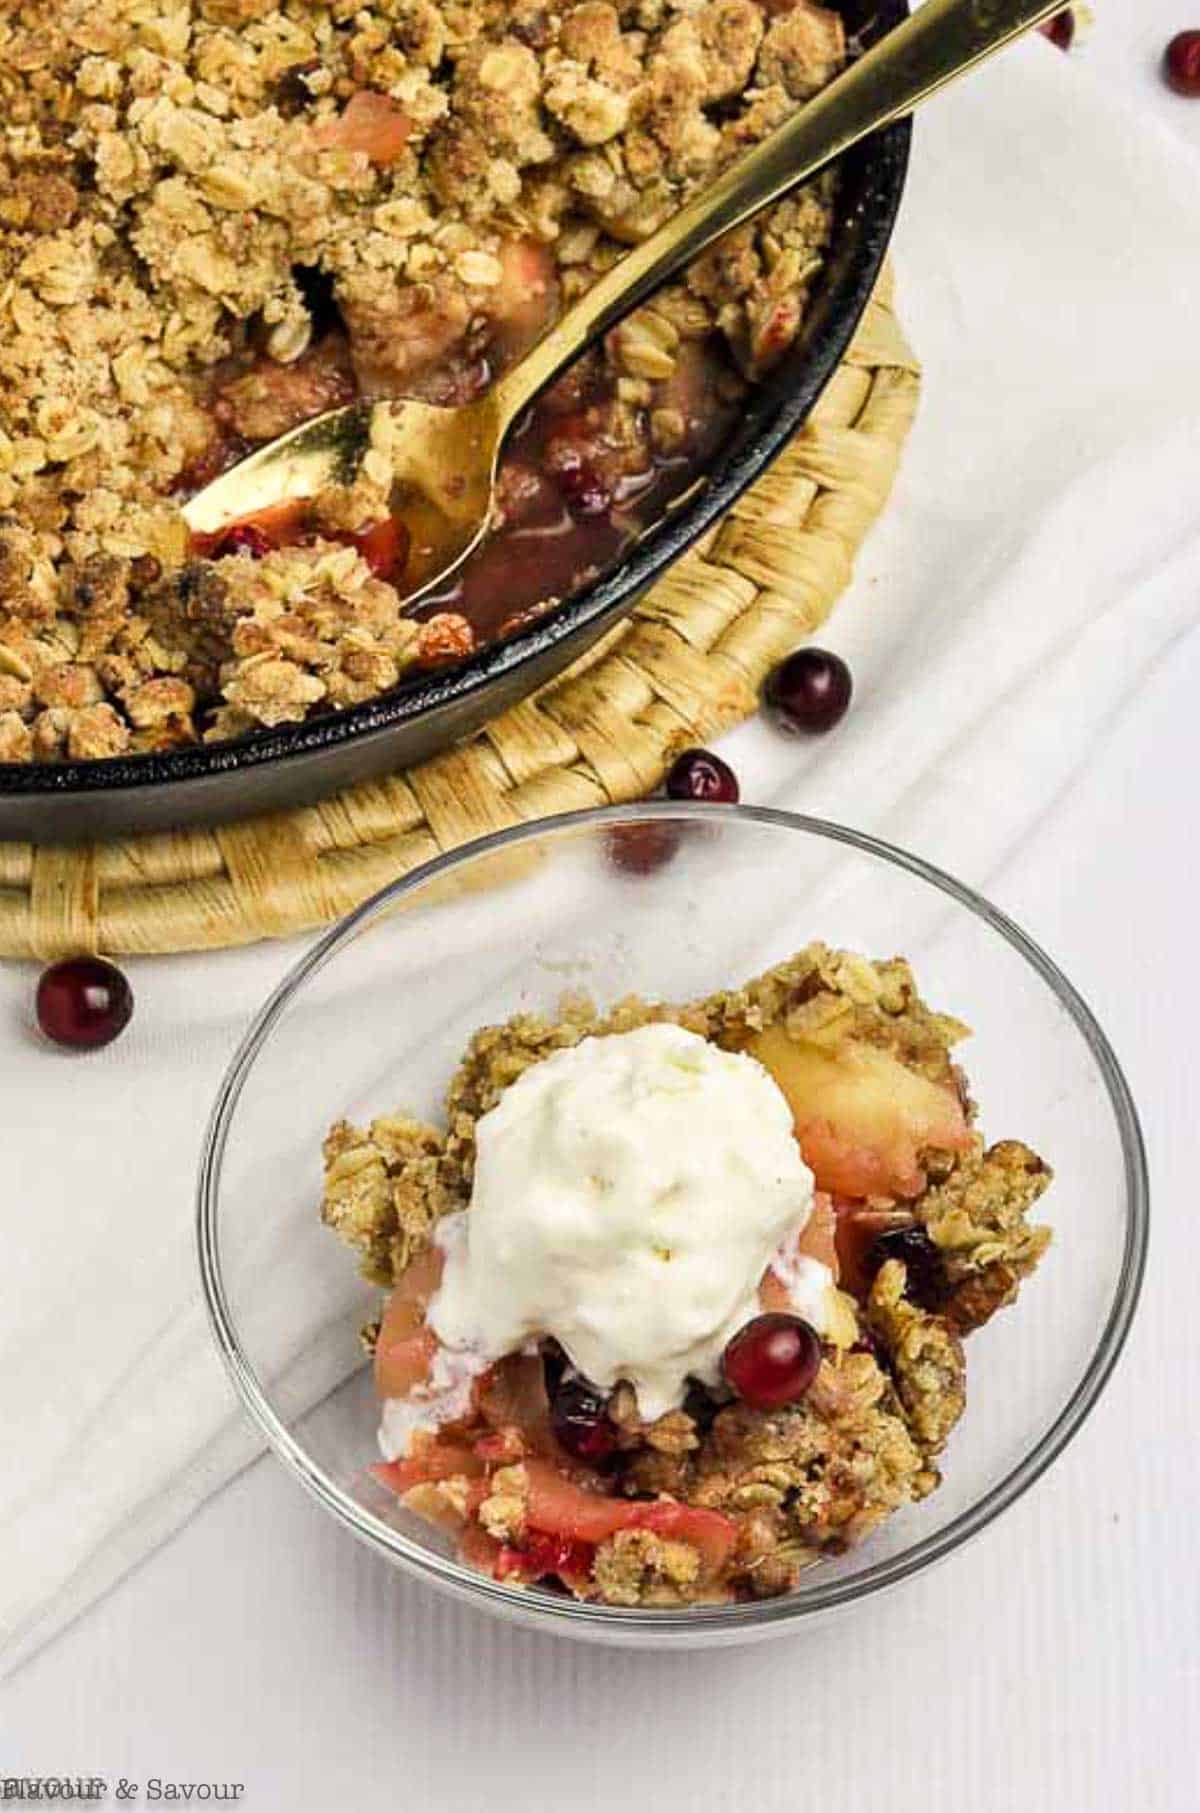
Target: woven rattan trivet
[(687, 664)]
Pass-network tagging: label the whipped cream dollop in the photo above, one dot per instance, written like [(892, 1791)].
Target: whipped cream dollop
[(629, 1194)]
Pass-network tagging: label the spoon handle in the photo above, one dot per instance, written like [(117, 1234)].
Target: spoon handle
[(942, 40)]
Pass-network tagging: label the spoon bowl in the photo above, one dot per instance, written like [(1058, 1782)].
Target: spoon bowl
[(447, 457)]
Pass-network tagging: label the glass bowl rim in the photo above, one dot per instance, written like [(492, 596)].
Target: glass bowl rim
[(551, 1609)]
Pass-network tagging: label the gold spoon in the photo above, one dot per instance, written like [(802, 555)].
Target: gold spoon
[(450, 455)]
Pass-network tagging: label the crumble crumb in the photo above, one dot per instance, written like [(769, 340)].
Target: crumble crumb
[(977, 1218), (638, 1567), (384, 1189), (925, 1357), (502, 1513)]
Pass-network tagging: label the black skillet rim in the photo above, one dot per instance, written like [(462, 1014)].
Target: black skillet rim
[(878, 174)]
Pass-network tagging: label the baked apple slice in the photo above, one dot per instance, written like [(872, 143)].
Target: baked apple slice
[(405, 1346), (525, 300), (431, 1460), (558, 1507), (371, 123), (862, 1117)]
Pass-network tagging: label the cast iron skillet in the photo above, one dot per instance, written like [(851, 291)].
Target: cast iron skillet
[(273, 769)]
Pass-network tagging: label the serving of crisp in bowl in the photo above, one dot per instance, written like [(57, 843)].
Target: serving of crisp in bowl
[(742, 1214)]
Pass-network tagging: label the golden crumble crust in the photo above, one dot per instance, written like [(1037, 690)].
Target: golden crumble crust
[(977, 1217), (925, 1358), (831, 997), (673, 1434), (384, 1189), (826, 1479), (639, 1567)]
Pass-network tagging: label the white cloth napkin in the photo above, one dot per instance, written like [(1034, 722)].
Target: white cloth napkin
[(1041, 555)]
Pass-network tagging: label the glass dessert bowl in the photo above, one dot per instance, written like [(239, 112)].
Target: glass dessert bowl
[(671, 904)]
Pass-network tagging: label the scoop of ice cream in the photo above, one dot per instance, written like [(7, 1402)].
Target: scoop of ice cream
[(629, 1194)]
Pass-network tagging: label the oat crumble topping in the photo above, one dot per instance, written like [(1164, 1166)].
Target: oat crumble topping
[(185, 187)]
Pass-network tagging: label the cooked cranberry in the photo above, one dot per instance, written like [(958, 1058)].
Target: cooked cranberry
[(641, 848), (581, 1423), (925, 1277), (1181, 64), (569, 394), (1060, 29), (283, 525), (523, 494), (564, 1555), (772, 1361), (698, 774), (581, 483), (575, 459), (83, 1002), (808, 692), (543, 1554)]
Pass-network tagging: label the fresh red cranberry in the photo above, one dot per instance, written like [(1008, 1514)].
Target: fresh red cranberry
[(1060, 29), (698, 774), (1181, 64), (639, 849), (773, 1360), (809, 692), (83, 1002), (581, 1423), (924, 1274), (246, 538)]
